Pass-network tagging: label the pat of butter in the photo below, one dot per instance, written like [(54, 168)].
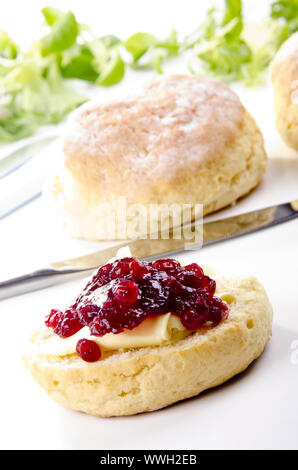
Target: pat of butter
[(153, 331)]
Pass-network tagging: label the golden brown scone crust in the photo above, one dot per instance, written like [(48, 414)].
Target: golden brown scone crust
[(186, 139), (284, 79), (146, 379)]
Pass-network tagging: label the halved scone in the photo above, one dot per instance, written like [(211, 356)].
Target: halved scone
[(180, 364)]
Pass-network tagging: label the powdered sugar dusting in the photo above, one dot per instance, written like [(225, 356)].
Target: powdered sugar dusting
[(178, 123)]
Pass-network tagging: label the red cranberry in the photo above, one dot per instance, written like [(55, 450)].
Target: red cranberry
[(195, 268), (52, 319), (167, 265), (192, 320), (154, 298), (96, 327), (100, 278), (104, 271), (126, 292), (218, 311), (120, 269), (122, 294), (68, 324), (88, 350), (127, 260), (208, 285), (115, 320), (189, 278), (105, 321), (137, 270), (174, 286), (87, 313)]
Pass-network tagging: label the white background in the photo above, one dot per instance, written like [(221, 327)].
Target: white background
[(258, 409)]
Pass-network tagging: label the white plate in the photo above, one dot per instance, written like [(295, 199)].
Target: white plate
[(258, 409)]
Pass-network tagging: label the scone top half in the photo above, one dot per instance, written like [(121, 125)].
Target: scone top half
[(185, 139), (284, 78)]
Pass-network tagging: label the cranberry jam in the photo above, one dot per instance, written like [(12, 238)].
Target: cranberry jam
[(123, 293)]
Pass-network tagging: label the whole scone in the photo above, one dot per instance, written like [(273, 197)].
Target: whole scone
[(284, 79), (185, 140), (131, 381)]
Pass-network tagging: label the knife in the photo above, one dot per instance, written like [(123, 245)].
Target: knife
[(213, 232), (16, 159), (22, 175)]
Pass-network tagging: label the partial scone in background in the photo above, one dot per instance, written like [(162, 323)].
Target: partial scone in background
[(284, 78)]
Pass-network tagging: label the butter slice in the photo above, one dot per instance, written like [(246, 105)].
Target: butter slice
[(153, 331)]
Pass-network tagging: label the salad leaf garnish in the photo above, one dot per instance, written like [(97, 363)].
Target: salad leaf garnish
[(148, 52), (64, 31), (37, 87), (286, 10), (113, 72), (233, 12), (8, 48), (139, 43), (78, 62), (224, 49), (51, 15)]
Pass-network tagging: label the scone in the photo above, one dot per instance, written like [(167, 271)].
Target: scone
[(184, 140), (284, 79), (143, 335)]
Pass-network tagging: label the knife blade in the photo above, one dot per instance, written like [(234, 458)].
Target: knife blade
[(213, 232), (22, 175), (16, 159)]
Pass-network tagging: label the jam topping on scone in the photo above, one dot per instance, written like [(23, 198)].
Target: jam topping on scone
[(123, 293)]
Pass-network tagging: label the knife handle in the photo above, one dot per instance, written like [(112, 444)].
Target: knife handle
[(36, 280)]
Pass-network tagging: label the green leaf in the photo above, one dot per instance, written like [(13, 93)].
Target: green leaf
[(225, 61), (278, 34), (62, 36), (233, 10), (113, 72), (150, 53), (51, 15), (139, 43), (170, 43), (110, 40), (224, 52), (208, 28), (19, 75), (8, 48), (34, 96), (158, 56), (286, 10), (78, 64), (16, 127)]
